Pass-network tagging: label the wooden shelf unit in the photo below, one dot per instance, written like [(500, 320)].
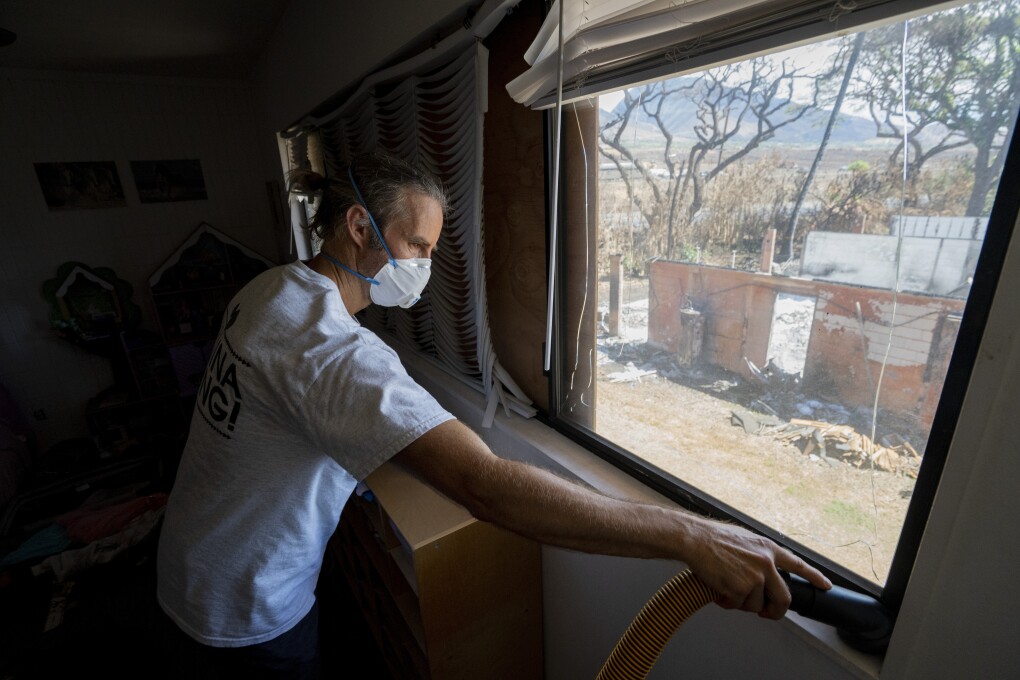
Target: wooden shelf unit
[(446, 596)]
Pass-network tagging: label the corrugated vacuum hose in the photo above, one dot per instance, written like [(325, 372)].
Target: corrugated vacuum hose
[(861, 621), (643, 641)]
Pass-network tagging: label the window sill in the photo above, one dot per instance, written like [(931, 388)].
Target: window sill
[(531, 441)]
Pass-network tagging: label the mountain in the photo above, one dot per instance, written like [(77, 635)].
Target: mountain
[(680, 119)]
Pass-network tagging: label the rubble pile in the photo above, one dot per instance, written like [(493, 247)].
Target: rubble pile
[(843, 442)]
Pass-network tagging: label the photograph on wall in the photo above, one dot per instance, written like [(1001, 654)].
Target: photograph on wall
[(169, 180), (73, 186)]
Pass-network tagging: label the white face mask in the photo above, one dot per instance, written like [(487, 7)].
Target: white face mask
[(400, 282)]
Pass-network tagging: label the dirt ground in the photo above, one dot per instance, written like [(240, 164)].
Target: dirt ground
[(681, 421)]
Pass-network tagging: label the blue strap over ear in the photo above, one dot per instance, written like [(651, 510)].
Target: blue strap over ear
[(361, 200)]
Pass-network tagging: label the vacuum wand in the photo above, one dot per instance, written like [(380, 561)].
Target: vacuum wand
[(862, 621)]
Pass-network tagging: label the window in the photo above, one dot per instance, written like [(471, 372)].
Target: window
[(765, 308)]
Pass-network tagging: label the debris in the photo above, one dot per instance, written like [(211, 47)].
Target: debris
[(763, 405), (773, 375), (755, 371), (631, 374), (753, 423), (843, 442), (719, 386)]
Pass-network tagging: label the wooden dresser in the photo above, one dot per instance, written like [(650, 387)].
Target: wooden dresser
[(446, 596)]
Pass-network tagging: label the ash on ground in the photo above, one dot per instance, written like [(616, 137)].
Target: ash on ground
[(772, 394)]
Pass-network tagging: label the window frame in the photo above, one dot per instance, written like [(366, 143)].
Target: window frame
[(1001, 222)]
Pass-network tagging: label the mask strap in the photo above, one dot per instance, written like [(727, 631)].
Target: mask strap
[(348, 269), (361, 200)]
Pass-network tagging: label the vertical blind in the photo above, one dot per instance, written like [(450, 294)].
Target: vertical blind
[(431, 111)]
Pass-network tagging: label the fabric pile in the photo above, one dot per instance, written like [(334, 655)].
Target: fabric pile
[(88, 536)]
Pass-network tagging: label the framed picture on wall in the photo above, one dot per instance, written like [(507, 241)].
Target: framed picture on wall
[(169, 180), (76, 185)]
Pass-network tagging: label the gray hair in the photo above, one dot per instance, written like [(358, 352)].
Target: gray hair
[(384, 181)]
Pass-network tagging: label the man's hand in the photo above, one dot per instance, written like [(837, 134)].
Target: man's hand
[(743, 568)]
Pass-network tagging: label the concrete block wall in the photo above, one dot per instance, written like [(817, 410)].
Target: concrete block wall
[(912, 334)]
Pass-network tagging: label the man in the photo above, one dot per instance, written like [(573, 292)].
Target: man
[(299, 403)]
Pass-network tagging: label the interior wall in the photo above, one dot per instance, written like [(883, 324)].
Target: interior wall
[(323, 47), (56, 117)]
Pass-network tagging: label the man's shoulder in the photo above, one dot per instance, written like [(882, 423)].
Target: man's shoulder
[(291, 296), (286, 320), (278, 283)]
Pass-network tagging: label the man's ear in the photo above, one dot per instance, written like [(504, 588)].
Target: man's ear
[(359, 228)]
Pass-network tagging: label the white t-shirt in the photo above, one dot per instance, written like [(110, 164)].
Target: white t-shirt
[(298, 404)]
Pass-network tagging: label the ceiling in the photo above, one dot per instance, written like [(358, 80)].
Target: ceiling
[(181, 38)]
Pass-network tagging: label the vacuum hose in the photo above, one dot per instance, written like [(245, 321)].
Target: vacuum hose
[(641, 644), (861, 621)]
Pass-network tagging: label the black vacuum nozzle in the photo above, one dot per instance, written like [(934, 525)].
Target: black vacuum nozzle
[(862, 622)]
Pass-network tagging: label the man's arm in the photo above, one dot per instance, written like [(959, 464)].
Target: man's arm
[(739, 565)]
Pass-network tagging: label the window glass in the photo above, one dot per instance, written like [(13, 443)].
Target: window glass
[(775, 288)]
